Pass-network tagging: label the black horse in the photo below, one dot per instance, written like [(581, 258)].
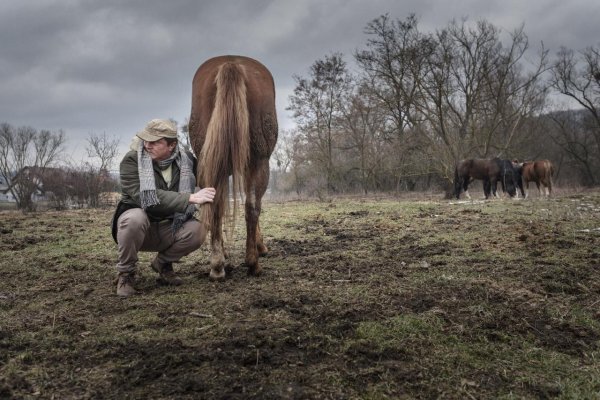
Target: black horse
[(490, 171)]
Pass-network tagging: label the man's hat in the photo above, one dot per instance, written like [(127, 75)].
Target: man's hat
[(158, 129)]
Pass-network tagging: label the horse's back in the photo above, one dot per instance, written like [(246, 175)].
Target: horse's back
[(479, 168)]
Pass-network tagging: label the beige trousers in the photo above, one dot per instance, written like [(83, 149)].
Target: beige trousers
[(136, 233)]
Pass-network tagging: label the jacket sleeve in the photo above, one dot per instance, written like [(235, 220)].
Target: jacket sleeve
[(130, 179), (170, 202)]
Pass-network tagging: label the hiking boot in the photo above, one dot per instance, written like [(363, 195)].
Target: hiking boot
[(166, 274), (125, 282)]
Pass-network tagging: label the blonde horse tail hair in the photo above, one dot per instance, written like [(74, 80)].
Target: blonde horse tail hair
[(227, 145)]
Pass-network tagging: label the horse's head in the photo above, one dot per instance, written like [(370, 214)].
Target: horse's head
[(511, 176)]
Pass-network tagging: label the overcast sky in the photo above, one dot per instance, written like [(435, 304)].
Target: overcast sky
[(109, 66)]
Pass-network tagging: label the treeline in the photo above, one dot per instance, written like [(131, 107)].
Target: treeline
[(33, 171), (417, 102), (412, 106)]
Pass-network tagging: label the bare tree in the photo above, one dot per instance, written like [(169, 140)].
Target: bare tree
[(24, 155), (283, 153), (58, 187), (104, 148), (282, 157), (364, 140), (573, 132), (316, 103), (393, 64), (95, 180), (292, 162), (184, 135), (578, 77)]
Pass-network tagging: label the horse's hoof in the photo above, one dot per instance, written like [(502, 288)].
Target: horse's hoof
[(262, 250), (216, 275), (254, 270)]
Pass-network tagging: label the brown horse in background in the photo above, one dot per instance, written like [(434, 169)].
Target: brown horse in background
[(233, 130), (540, 172)]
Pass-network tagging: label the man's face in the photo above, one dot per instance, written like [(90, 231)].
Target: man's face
[(159, 150)]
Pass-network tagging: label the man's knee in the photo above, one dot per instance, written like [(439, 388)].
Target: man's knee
[(193, 234), (133, 220)]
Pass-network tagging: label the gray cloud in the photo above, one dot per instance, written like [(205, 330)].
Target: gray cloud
[(109, 66)]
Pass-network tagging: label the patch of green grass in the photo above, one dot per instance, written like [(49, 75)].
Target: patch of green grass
[(394, 332)]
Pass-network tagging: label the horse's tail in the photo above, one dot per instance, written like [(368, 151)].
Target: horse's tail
[(226, 147)]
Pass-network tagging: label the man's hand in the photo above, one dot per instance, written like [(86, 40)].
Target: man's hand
[(202, 196)]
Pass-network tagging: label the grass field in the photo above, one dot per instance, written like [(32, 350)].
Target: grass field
[(360, 299)]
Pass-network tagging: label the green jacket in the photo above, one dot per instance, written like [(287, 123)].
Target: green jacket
[(171, 201)]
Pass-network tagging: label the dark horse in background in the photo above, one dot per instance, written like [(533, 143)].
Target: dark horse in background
[(490, 171), (540, 172), (233, 130)]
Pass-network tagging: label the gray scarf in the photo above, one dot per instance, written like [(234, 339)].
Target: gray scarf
[(187, 181)]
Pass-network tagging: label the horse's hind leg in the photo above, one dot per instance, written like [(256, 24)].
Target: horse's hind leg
[(260, 244), (256, 186), (217, 258), (251, 230)]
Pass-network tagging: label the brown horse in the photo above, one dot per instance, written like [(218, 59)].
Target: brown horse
[(233, 129), (540, 172), (490, 171)]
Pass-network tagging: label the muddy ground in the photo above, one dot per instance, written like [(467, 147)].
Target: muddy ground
[(360, 299)]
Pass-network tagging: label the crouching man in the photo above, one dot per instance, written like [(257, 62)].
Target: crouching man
[(158, 201)]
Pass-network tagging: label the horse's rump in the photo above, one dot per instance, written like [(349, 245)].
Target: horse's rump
[(544, 170)]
